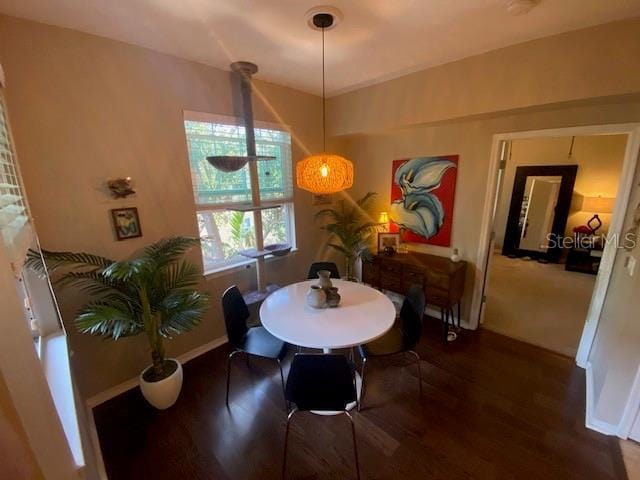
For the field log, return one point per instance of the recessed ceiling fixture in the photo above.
(520, 7)
(324, 173)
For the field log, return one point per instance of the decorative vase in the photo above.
(316, 297)
(163, 393)
(333, 297)
(455, 256)
(324, 279)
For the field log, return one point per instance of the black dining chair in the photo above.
(318, 266)
(402, 338)
(250, 341)
(320, 382)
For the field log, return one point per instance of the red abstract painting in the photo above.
(422, 196)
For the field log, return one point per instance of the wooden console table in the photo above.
(441, 279)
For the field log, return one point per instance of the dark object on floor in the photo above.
(319, 266)
(250, 341)
(401, 338)
(320, 382)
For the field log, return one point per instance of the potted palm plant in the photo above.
(152, 294)
(350, 224)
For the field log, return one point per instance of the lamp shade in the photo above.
(597, 204)
(324, 173)
(383, 218)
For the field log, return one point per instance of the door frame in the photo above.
(625, 185)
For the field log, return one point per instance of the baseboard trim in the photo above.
(127, 385)
(591, 422)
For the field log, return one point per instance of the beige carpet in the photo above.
(540, 304)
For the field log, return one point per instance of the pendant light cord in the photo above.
(324, 115)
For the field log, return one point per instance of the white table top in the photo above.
(363, 315)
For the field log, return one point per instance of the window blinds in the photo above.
(15, 225)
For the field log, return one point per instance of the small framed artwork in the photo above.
(388, 240)
(126, 223)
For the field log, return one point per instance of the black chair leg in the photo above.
(364, 364)
(229, 372)
(445, 325)
(286, 441)
(284, 394)
(459, 317)
(355, 445)
(415, 354)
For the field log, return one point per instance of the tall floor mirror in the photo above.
(540, 203)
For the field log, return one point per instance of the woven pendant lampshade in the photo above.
(324, 173)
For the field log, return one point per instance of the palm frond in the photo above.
(169, 249)
(341, 249)
(110, 319)
(91, 282)
(364, 201)
(56, 260)
(182, 311)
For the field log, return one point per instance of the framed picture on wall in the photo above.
(126, 223)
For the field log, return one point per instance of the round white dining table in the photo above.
(363, 315)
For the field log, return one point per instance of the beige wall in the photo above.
(16, 458)
(84, 109)
(373, 154)
(599, 159)
(574, 66)
(587, 77)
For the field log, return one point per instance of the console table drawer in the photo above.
(441, 279)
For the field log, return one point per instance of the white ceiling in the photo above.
(377, 40)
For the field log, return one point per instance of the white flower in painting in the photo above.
(419, 211)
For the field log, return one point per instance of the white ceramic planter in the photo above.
(164, 393)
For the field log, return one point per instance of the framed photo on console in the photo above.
(386, 240)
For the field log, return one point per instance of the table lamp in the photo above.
(383, 220)
(597, 205)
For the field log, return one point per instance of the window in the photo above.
(17, 235)
(225, 231)
(14, 215)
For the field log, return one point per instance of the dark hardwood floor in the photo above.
(492, 407)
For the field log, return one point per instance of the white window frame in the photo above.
(286, 203)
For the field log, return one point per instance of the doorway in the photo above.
(539, 284)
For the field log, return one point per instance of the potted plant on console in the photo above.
(350, 224)
(152, 293)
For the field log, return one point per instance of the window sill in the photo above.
(55, 359)
(237, 267)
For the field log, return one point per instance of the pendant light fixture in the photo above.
(324, 173)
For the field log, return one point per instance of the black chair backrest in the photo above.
(411, 315)
(317, 266)
(320, 382)
(235, 313)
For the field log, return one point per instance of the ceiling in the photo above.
(376, 41)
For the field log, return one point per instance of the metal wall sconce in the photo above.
(120, 187)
